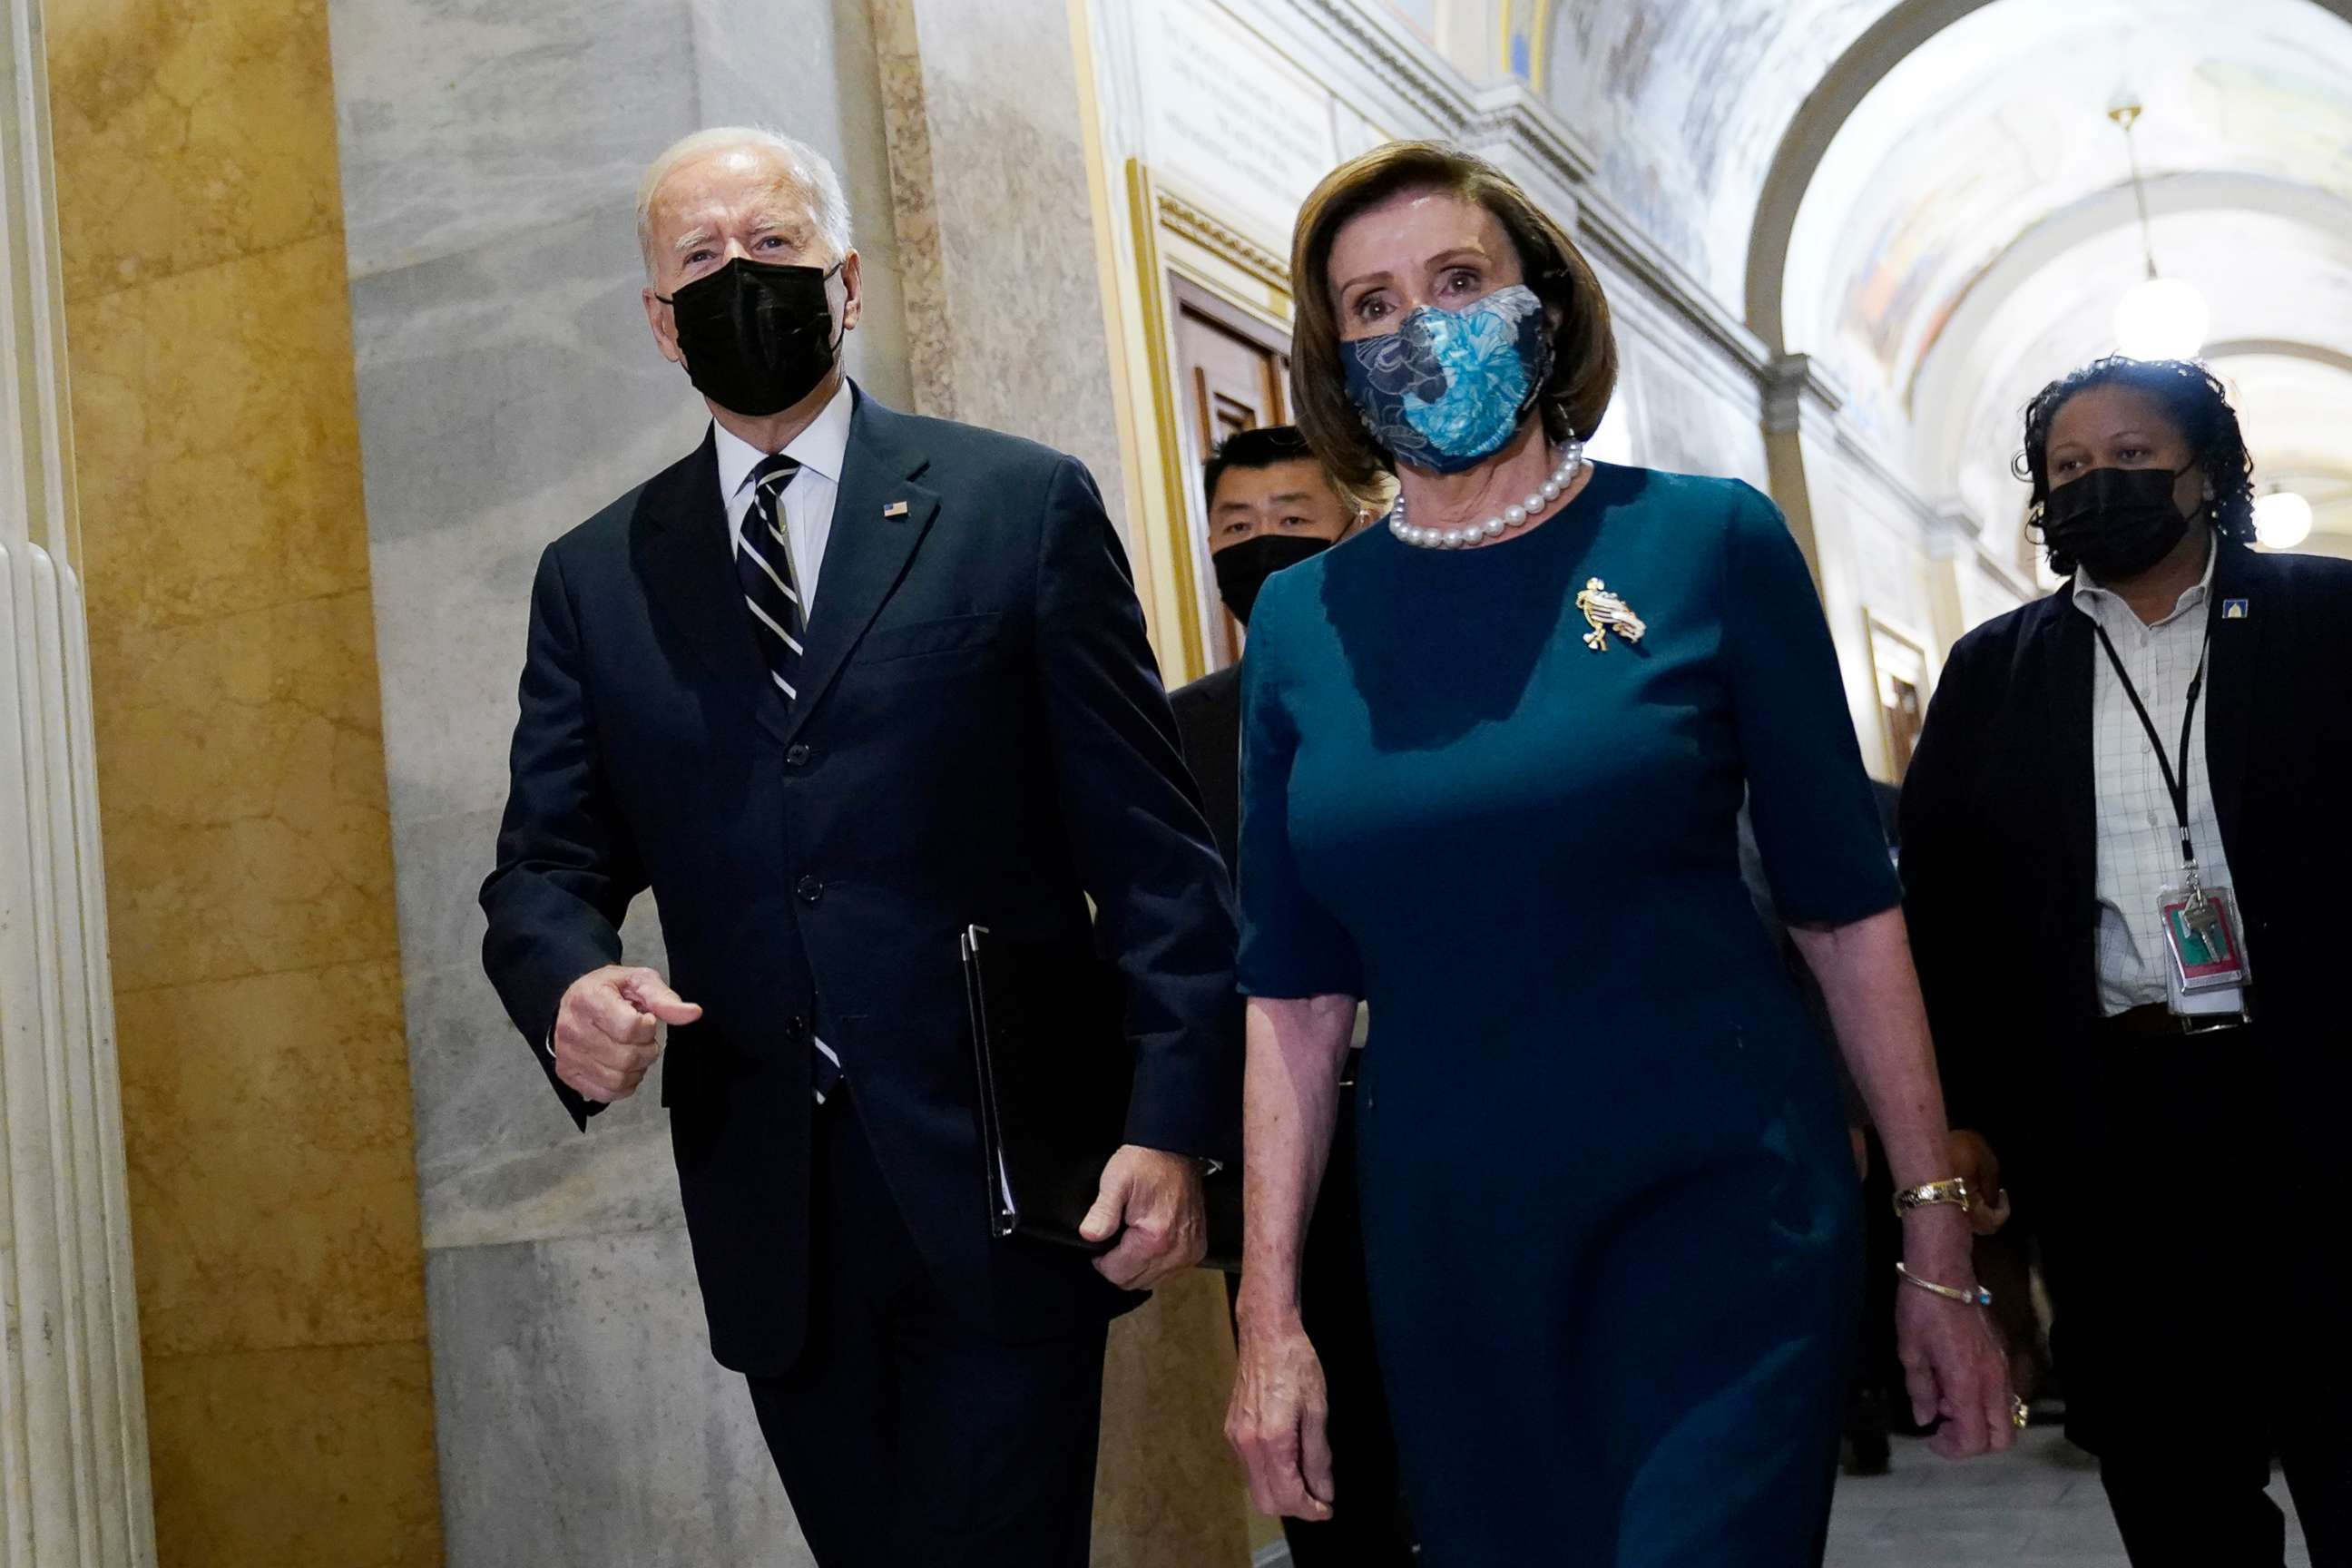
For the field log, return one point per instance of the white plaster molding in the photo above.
(1617, 236)
(1513, 127)
(1955, 531)
(1894, 487)
(1204, 228)
(74, 1489)
(1378, 44)
(1518, 130)
(1797, 386)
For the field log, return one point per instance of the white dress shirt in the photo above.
(808, 500)
(2138, 835)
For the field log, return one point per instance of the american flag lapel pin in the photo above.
(2233, 609)
(896, 508)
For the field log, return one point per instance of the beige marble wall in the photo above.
(988, 175)
(242, 785)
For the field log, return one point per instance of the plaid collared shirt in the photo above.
(2139, 837)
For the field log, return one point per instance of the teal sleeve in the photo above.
(1291, 946)
(1816, 821)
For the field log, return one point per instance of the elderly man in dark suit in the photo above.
(837, 683)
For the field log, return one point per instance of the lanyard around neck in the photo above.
(2176, 780)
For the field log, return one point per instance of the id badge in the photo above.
(2208, 1010)
(2201, 933)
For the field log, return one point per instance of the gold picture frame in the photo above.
(1902, 676)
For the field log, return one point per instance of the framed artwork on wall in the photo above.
(1899, 675)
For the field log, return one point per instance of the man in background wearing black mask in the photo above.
(1271, 506)
(835, 685)
(2178, 1154)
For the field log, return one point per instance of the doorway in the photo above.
(1232, 374)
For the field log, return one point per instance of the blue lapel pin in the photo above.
(2233, 609)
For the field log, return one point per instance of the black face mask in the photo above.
(1243, 569)
(2116, 522)
(757, 337)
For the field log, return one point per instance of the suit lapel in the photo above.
(2233, 691)
(2067, 650)
(880, 516)
(689, 568)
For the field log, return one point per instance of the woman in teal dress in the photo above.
(1494, 752)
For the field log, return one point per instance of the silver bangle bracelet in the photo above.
(1979, 1297)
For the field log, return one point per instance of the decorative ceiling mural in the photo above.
(2001, 122)
(1972, 223)
(1684, 102)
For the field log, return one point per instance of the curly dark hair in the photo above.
(2196, 402)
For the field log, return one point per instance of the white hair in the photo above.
(827, 206)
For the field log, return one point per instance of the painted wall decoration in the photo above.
(2000, 123)
(1685, 102)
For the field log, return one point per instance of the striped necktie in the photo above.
(764, 563)
(773, 593)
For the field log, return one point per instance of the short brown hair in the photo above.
(1584, 356)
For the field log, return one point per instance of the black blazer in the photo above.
(2000, 848)
(980, 736)
(1209, 717)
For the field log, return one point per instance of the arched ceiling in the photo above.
(1685, 102)
(1999, 122)
(1928, 196)
(1966, 236)
(2271, 278)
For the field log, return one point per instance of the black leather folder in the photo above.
(1055, 1071)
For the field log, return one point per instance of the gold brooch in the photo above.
(1604, 611)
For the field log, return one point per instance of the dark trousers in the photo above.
(2203, 1503)
(905, 1440)
(2200, 1315)
(1368, 1527)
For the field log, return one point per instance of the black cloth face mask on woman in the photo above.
(2116, 522)
(758, 337)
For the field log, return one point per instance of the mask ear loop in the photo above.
(842, 336)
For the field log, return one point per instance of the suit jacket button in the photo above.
(796, 755)
(810, 890)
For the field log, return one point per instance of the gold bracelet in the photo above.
(1952, 1190)
(1979, 1297)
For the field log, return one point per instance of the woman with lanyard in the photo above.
(2126, 866)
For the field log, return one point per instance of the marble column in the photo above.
(996, 230)
(73, 1435)
(1809, 476)
(1005, 327)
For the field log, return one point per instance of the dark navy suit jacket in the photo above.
(981, 737)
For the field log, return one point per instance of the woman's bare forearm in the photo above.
(1290, 1101)
(1867, 978)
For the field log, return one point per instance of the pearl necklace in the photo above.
(1571, 459)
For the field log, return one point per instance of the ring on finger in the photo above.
(2021, 1414)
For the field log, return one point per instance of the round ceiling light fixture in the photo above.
(2282, 519)
(2158, 317)
(2162, 317)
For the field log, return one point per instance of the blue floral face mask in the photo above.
(1447, 388)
